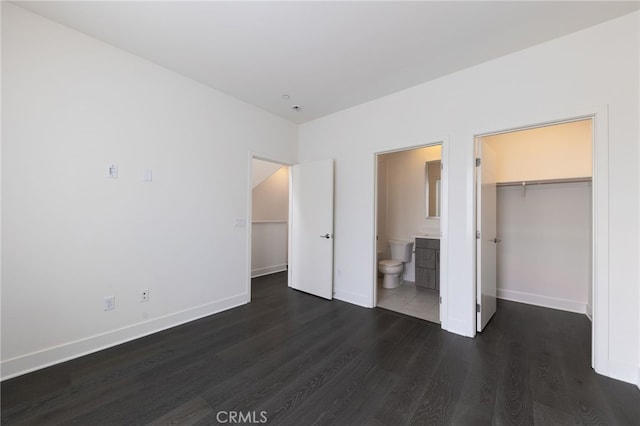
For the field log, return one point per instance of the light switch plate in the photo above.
(109, 303)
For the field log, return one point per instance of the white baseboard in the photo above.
(259, 272)
(544, 301)
(353, 298)
(629, 373)
(460, 327)
(37, 360)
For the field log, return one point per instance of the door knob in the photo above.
(496, 240)
(327, 236)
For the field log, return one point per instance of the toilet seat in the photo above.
(390, 266)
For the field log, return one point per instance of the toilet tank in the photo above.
(401, 250)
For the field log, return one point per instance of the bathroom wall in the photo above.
(269, 227)
(544, 257)
(72, 106)
(381, 206)
(405, 197)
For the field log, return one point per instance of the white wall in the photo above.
(584, 72)
(269, 226)
(544, 257)
(71, 106)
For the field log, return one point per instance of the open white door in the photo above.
(311, 238)
(486, 251)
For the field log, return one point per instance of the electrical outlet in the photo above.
(109, 303)
(144, 295)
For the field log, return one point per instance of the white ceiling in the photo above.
(327, 56)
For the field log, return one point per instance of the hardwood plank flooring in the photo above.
(294, 359)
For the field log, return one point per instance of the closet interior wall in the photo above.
(544, 215)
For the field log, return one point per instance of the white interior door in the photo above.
(487, 240)
(311, 229)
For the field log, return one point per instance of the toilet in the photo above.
(392, 268)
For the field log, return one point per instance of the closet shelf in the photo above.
(544, 181)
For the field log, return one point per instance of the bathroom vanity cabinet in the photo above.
(428, 263)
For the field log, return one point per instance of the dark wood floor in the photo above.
(301, 360)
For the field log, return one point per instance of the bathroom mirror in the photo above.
(432, 188)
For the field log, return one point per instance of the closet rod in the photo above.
(544, 181)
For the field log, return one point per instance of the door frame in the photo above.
(249, 217)
(599, 224)
(444, 222)
(478, 176)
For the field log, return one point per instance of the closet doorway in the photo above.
(543, 210)
(269, 217)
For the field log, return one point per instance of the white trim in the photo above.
(623, 371)
(544, 301)
(353, 298)
(444, 235)
(460, 326)
(36, 360)
(290, 230)
(600, 241)
(249, 216)
(268, 270)
(373, 298)
(471, 297)
(589, 314)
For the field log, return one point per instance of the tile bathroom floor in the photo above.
(410, 300)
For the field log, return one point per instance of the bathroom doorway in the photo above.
(534, 242)
(269, 227)
(410, 204)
